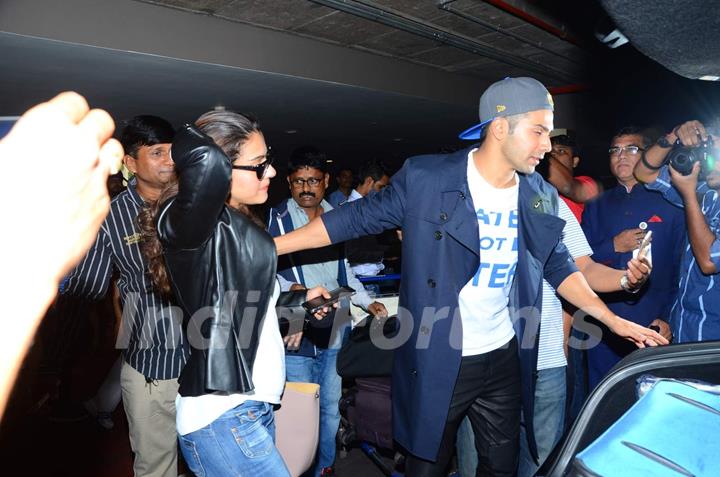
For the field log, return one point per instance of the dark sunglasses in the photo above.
(260, 169)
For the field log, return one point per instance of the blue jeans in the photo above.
(239, 442)
(549, 418)
(467, 455)
(548, 421)
(321, 370)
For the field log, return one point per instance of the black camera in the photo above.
(682, 158)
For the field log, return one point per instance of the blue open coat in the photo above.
(429, 198)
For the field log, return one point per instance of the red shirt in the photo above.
(591, 189)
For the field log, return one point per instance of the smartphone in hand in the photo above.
(644, 245)
(320, 302)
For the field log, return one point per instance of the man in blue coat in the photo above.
(479, 233)
(612, 224)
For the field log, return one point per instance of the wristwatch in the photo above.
(625, 285)
(663, 142)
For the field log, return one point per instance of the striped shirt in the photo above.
(151, 332)
(695, 316)
(551, 352)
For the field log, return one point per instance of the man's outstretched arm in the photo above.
(370, 215)
(312, 235)
(577, 291)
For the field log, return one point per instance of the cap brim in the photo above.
(474, 132)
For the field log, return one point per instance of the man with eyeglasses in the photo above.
(614, 225)
(311, 356)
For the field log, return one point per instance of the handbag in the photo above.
(359, 357)
(297, 426)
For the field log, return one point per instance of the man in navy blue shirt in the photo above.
(695, 315)
(614, 225)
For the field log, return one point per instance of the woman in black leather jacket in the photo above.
(217, 260)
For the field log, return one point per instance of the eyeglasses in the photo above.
(310, 181)
(631, 150)
(260, 169)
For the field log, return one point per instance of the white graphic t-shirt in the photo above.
(484, 299)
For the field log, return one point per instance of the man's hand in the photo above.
(323, 292)
(58, 157)
(292, 342)
(65, 151)
(691, 133)
(628, 240)
(664, 328)
(638, 271)
(686, 185)
(639, 335)
(377, 309)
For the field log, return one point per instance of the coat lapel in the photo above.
(456, 204)
(540, 228)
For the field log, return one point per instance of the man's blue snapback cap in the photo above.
(509, 97)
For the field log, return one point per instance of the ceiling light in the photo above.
(291, 131)
(328, 160)
(219, 107)
(709, 78)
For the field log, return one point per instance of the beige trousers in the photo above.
(150, 410)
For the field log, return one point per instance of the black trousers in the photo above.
(487, 390)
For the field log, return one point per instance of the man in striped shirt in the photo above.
(154, 349)
(695, 315)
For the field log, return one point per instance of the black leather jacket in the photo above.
(222, 267)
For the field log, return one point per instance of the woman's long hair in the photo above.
(229, 130)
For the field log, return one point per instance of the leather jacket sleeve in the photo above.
(204, 173)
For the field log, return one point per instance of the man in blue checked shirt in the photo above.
(695, 315)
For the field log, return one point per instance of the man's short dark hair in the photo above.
(145, 130)
(567, 141)
(374, 169)
(307, 156)
(633, 131)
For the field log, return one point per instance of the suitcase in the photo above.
(370, 412)
(671, 431)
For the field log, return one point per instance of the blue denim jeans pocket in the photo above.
(192, 457)
(251, 430)
(240, 442)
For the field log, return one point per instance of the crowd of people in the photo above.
(518, 294)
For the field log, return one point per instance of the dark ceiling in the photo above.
(462, 36)
(358, 78)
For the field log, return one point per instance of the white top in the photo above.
(484, 299)
(268, 376)
(551, 352)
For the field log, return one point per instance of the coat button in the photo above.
(431, 283)
(413, 372)
(438, 235)
(424, 330)
(443, 216)
(462, 196)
